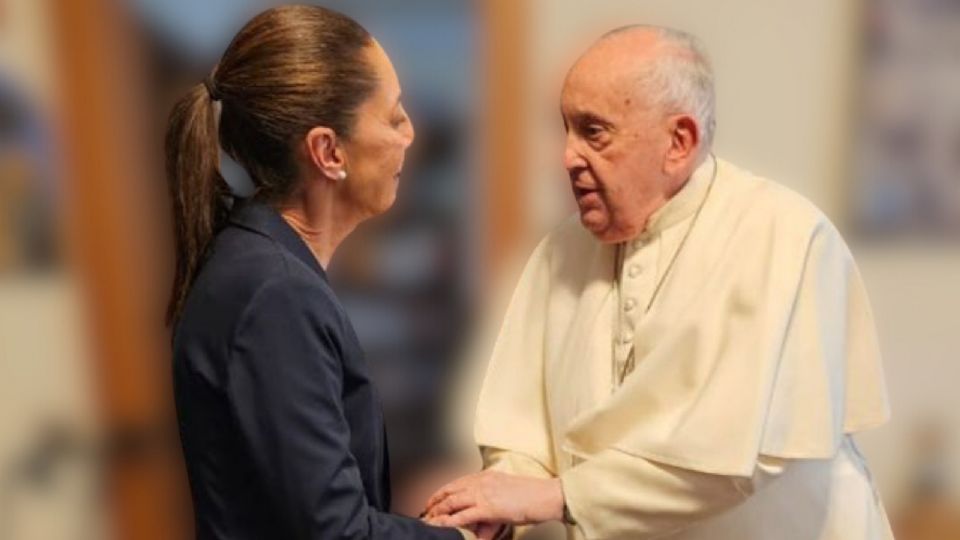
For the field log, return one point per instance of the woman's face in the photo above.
(375, 149)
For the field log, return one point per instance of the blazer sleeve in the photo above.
(284, 383)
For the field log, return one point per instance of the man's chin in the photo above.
(598, 226)
(603, 231)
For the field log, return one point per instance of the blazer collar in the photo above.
(261, 218)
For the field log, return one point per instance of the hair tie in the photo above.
(212, 88)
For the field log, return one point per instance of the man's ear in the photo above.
(685, 140)
(325, 152)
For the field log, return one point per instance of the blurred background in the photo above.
(855, 104)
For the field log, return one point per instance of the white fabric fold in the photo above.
(760, 342)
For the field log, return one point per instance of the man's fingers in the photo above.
(447, 489)
(439, 521)
(470, 516)
(437, 496)
(454, 503)
(435, 508)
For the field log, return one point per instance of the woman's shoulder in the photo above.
(258, 298)
(245, 272)
(293, 292)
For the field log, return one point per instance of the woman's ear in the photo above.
(325, 152)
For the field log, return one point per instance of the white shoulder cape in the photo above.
(761, 341)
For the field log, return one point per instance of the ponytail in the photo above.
(197, 189)
(289, 69)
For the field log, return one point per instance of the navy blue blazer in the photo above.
(281, 428)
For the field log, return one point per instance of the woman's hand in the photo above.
(491, 497)
(489, 531)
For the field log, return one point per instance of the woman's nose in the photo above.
(409, 133)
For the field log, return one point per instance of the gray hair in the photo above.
(680, 80)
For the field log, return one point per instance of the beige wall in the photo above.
(785, 74)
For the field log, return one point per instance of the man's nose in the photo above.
(572, 158)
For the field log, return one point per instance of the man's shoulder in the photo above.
(769, 202)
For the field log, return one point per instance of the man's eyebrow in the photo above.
(588, 117)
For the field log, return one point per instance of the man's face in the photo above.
(616, 144)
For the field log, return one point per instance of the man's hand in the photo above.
(490, 497)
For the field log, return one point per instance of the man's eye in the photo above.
(593, 131)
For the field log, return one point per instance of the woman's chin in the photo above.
(387, 202)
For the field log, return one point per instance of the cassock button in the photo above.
(627, 337)
(635, 270)
(629, 304)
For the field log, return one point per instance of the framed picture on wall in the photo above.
(907, 180)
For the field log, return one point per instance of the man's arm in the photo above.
(509, 462)
(617, 495)
(610, 495)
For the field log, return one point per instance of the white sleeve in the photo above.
(617, 495)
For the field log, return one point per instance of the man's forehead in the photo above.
(612, 65)
(597, 87)
(583, 95)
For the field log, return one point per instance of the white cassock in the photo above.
(702, 381)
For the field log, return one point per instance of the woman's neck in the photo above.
(317, 222)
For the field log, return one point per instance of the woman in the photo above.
(280, 425)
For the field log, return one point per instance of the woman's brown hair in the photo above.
(288, 70)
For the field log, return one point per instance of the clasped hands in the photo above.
(488, 502)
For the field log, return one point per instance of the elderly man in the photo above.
(691, 359)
